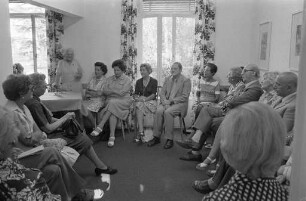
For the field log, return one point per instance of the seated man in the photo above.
(285, 87)
(211, 115)
(174, 97)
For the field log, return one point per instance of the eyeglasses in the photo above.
(246, 70)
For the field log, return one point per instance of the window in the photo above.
(28, 37)
(167, 35)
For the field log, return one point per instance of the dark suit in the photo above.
(178, 92)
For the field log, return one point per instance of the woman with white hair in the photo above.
(252, 142)
(68, 73)
(267, 83)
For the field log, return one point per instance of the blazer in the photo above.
(181, 91)
(286, 109)
(249, 94)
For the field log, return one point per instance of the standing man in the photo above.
(174, 97)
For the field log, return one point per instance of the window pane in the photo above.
(166, 47)
(185, 43)
(22, 43)
(25, 8)
(41, 46)
(149, 43)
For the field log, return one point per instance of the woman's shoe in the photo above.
(96, 132)
(88, 195)
(109, 170)
(205, 163)
(111, 142)
(139, 138)
(202, 187)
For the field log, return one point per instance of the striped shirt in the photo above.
(208, 90)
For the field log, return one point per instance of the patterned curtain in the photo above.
(128, 49)
(55, 32)
(204, 49)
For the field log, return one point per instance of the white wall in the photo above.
(5, 46)
(234, 34)
(96, 37)
(279, 12)
(67, 7)
(237, 32)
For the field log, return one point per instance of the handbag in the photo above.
(71, 128)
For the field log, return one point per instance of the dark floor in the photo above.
(145, 173)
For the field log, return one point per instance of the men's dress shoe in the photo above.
(202, 187)
(109, 170)
(192, 157)
(169, 144)
(153, 142)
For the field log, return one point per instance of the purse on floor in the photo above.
(71, 128)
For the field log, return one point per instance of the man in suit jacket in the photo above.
(285, 87)
(174, 97)
(209, 114)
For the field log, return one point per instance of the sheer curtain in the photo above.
(55, 33)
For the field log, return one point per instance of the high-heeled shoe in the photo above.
(111, 142)
(208, 161)
(96, 132)
(109, 170)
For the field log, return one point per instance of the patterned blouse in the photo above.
(242, 188)
(23, 184)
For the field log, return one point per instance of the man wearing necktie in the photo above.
(174, 97)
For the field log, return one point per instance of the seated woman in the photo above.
(93, 100)
(52, 126)
(16, 180)
(252, 142)
(267, 84)
(58, 174)
(68, 73)
(145, 97)
(209, 88)
(118, 100)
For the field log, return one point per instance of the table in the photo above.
(62, 101)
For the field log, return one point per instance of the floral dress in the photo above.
(23, 184)
(96, 103)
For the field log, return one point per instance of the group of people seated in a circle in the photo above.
(252, 127)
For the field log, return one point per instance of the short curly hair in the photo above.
(102, 66)
(36, 79)
(120, 64)
(16, 86)
(147, 67)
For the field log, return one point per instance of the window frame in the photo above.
(33, 17)
(159, 16)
